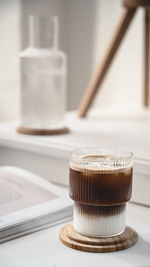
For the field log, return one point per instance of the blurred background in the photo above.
(85, 29)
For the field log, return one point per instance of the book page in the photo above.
(17, 193)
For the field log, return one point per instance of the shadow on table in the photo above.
(139, 254)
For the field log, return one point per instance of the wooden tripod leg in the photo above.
(146, 56)
(103, 67)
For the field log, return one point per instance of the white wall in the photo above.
(9, 49)
(124, 81)
(86, 27)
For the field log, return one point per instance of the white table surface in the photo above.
(44, 248)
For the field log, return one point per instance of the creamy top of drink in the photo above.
(101, 163)
(100, 176)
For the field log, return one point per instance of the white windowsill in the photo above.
(48, 156)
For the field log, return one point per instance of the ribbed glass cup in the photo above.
(100, 185)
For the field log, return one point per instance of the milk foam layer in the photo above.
(101, 167)
(98, 226)
(101, 159)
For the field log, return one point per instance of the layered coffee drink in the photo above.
(100, 185)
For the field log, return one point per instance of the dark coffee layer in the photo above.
(100, 188)
(104, 211)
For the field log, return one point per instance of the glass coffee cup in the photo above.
(100, 185)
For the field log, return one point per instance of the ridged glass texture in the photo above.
(98, 221)
(100, 181)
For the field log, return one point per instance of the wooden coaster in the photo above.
(24, 130)
(72, 239)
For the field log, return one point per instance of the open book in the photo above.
(29, 203)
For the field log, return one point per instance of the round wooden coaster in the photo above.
(72, 239)
(24, 130)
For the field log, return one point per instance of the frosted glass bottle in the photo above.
(43, 83)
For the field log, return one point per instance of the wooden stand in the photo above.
(72, 239)
(24, 130)
(129, 10)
